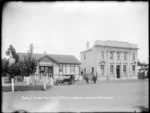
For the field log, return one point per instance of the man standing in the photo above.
(94, 78)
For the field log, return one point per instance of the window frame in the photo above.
(125, 56)
(84, 55)
(102, 54)
(133, 56)
(124, 69)
(111, 55)
(118, 55)
(111, 69)
(133, 70)
(102, 68)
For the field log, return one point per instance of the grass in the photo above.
(24, 88)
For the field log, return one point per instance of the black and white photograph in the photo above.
(75, 56)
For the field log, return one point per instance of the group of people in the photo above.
(91, 76)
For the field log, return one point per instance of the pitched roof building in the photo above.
(54, 64)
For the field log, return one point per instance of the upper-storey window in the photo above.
(84, 56)
(102, 54)
(118, 56)
(133, 56)
(125, 56)
(111, 55)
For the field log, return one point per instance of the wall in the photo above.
(66, 69)
(89, 62)
(93, 59)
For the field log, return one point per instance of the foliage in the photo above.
(14, 70)
(29, 65)
(24, 88)
(5, 65)
(11, 51)
(141, 75)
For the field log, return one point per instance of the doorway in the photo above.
(46, 70)
(118, 71)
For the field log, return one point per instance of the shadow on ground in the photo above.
(143, 109)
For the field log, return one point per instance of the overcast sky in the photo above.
(65, 27)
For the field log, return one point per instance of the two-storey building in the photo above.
(110, 60)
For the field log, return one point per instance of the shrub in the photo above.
(24, 88)
(141, 75)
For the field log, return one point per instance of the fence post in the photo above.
(47, 80)
(12, 82)
(3, 84)
(27, 81)
(51, 80)
(44, 85)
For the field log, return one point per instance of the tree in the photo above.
(5, 65)
(12, 52)
(29, 65)
(14, 70)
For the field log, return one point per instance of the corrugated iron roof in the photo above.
(67, 59)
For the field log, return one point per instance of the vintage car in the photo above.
(69, 79)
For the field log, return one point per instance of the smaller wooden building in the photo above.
(55, 65)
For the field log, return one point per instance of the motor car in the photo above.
(67, 79)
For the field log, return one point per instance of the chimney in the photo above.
(87, 45)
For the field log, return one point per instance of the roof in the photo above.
(67, 59)
(113, 43)
(86, 50)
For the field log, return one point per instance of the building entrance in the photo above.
(46, 70)
(118, 71)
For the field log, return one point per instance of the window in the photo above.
(111, 55)
(118, 56)
(111, 69)
(102, 69)
(133, 69)
(84, 56)
(46, 69)
(72, 69)
(124, 69)
(133, 55)
(102, 54)
(125, 56)
(60, 67)
(42, 68)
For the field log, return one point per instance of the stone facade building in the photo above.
(110, 60)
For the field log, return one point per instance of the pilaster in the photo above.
(122, 63)
(115, 64)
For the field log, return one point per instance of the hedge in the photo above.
(24, 88)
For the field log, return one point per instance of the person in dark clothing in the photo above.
(95, 78)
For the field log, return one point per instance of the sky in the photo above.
(65, 27)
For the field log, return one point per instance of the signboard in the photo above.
(46, 63)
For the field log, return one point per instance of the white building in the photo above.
(110, 60)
